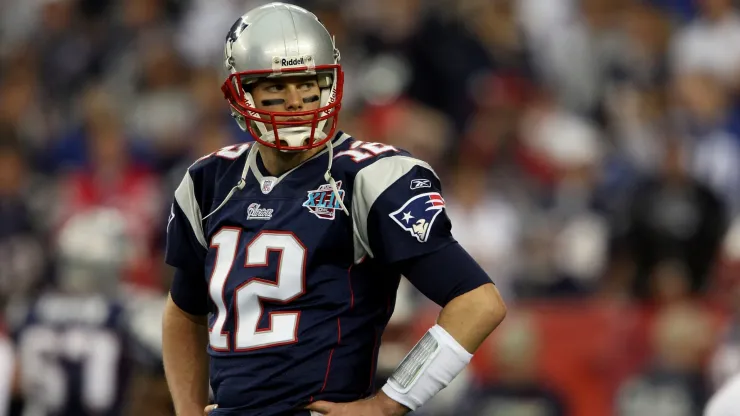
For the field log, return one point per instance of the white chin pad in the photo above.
(294, 136)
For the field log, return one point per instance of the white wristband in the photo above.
(428, 368)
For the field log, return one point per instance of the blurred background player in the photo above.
(515, 388)
(673, 384)
(76, 340)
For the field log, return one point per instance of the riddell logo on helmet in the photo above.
(293, 61)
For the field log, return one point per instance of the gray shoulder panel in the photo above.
(370, 182)
(185, 197)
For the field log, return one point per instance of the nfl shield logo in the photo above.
(268, 184)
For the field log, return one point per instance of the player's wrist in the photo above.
(428, 368)
(389, 406)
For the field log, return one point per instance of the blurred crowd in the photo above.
(589, 151)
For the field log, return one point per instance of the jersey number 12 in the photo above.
(247, 308)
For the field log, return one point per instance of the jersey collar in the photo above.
(257, 167)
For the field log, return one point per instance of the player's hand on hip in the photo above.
(208, 409)
(374, 406)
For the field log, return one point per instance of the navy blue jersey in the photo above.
(300, 291)
(72, 356)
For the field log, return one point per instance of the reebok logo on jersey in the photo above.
(256, 212)
(420, 183)
(323, 203)
(417, 215)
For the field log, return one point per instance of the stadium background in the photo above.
(590, 152)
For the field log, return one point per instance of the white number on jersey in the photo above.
(290, 284)
(229, 152)
(233, 152)
(43, 350)
(360, 151)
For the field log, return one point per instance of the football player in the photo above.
(72, 340)
(288, 251)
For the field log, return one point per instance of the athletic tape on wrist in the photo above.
(428, 368)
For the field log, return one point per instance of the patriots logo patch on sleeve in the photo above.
(417, 215)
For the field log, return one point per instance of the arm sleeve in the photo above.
(398, 211)
(186, 250)
(444, 274)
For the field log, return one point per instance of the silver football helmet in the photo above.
(278, 40)
(93, 249)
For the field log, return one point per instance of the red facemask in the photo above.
(240, 102)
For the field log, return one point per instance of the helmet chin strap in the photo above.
(242, 180)
(252, 155)
(331, 180)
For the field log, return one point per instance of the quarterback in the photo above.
(289, 250)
